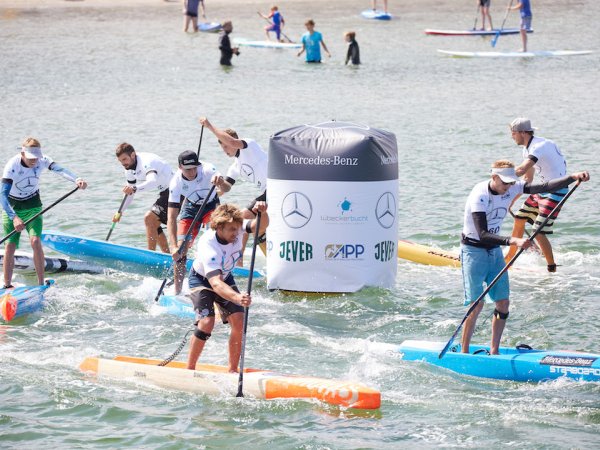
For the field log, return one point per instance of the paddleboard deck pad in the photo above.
(538, 54)
(22, 300)
(516, 364)
(216, 380)
(473, 32)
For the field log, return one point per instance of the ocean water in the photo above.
(83, 77)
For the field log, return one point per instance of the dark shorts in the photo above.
(161, 205)
(204, 299)
(261, 198)
(485, 3)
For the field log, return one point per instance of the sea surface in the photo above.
(83, 77)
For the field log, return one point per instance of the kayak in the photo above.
(178, 305)
(216, 380)
(473, 32)
(538, 54)
(268, 44)
(427, 255)
(18, 301)
(25, 263)
(210, 27)
(376, 14)
(521, 363)
(117, 256)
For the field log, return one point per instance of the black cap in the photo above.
(188, 158)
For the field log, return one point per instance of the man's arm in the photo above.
(221, 135)
(172, 213)
(225, 291)
(525, 167)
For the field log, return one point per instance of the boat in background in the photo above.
(119, 257)
(521, 363)
(216, 380)
(24, 262)
(19, 301)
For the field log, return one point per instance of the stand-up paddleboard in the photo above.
(18, 301)
(521, 363)
(24, 262)
(427, 255)
(376, 14)
(434, 32)
(538, 54)
(178, 305)
(210, 27)
(267, 44)
(216, 380)
(116, 256)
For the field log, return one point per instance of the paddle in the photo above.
(510, 263)
(40, 213)
(200, 143)
(280, 31)
(119, 214)
(495, 40)
(186, 238)
(476, 17)
(240, 392)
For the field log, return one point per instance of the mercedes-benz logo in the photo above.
(248, 172)
(296, 210)
(26, 184)
(385, 211)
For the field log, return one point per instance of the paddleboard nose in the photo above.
(8, 307)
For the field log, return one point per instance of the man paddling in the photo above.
(250, 164)
(212, 282)
(544, 157)
(144, 172)
(20, 199)
(189, 185)
(481, 257)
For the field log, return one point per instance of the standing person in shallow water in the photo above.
(484, 6)
(353, 54)
(524, 7)
(144, 172)
(311, 43)
(21, 201)
(480, 254)
(190, 14)
(227, 51)
(212, 282)
(277, 24)
(385, 5)
(544, 157)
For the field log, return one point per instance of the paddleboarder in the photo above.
(311, 43)
(277, 23)
(524, 7)
(145, 172)
(189, 187)
(190, 14)
(484, 7)
(212, 282)
(21, 201)
(250, 164)
(481, 257)
(541, 156)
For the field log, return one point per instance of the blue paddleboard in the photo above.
(376, 14)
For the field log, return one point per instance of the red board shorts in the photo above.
(538, 207)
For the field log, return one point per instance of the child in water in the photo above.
(353, 54)
(277, 24)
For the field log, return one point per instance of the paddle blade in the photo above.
(495, 40)
(8, 307)
(446, 347)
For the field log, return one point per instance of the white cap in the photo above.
(32, 152)
(506, 174)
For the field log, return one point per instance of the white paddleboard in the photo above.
(210, 27)
(376, 14)
(267, 44)
(473, 32)
(537, 54)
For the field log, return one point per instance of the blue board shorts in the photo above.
(479, 267)
(526, 23)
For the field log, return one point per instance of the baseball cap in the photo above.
(506, 174)
(521, 124)
(32, 152)
(188, 159)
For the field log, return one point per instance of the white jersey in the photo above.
(250, 165)
(213, 257)
(194, 190)
(147, 164)
(550, 162)
(25, 180)
(495, 207)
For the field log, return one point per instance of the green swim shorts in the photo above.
(34, 228)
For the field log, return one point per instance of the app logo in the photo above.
(385, 211)
(344, 251)
(296, 210)
(345, 206)
(295, 251)
(385, 251)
